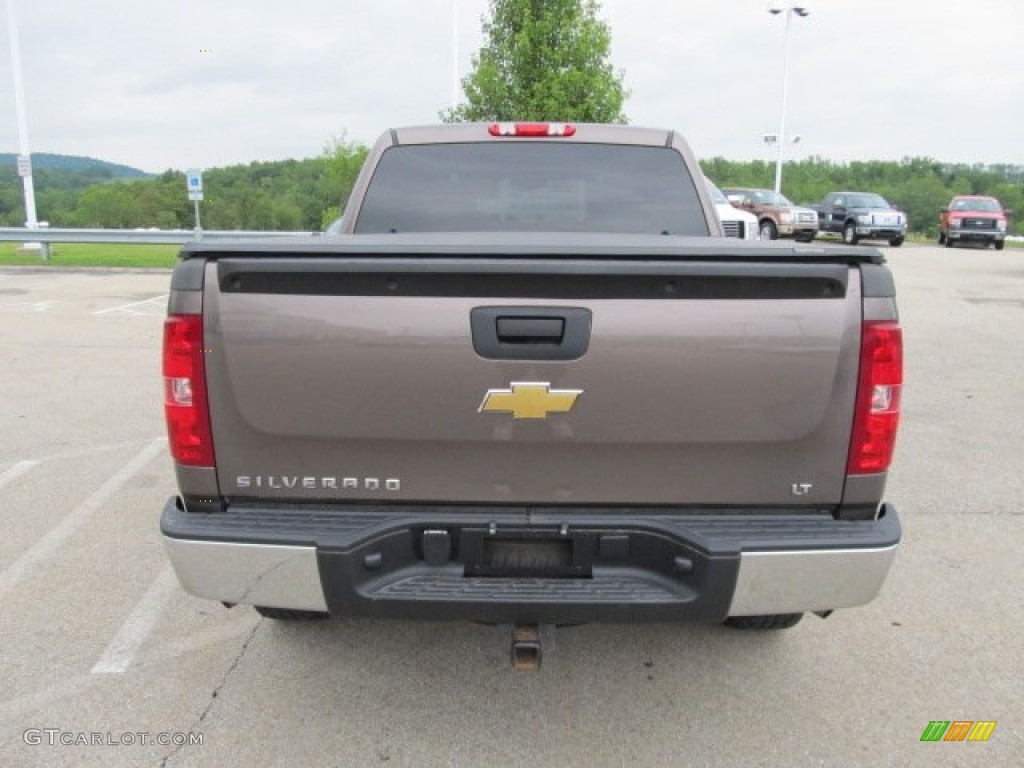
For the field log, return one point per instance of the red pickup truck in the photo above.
(973, 218)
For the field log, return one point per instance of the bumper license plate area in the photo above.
(522, 556)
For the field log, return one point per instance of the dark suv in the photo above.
(861, 215)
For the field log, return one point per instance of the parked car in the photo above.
(861, 215)
(777, 216)
(973, 218)
(735, 222)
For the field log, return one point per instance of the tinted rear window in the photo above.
(532, 187)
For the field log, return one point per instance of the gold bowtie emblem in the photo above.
(529, 400)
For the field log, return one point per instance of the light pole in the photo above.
(801, 11)
(24, 158)
(456, 86)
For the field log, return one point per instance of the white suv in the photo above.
(735, 222)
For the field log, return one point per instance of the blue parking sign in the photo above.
(194, 183)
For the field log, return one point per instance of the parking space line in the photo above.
(16, 471)
(28, 306)
(128, 309)
(46, 546)
(119, 655)
(216, 639)
(92, 450)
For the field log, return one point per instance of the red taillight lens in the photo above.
(531, 129)
(877, 413)
(185, 404)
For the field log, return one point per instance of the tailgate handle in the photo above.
(530, 333)
(531, 330)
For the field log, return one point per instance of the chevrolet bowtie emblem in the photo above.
(529, 400)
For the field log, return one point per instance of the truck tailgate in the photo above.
(700, 383)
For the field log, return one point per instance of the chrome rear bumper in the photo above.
(639, 568)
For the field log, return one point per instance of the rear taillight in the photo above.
(531, 129)
(185, 403)
(877, 413)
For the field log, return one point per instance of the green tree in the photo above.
(342, 160)
(543, 60)
(114, 205)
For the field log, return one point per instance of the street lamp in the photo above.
(24, 158)
(801, 11)
(456, 86)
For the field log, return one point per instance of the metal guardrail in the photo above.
(132, 236)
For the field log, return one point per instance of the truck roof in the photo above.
(596, 133)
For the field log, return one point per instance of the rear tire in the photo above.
(770, 621)
(896, 242)
(999, 245)
(850, 234)
(768, 230)
(805, 238)
(942, 238)
(949, 242)
(289, 614)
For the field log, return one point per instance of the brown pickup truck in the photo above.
(776, 215)
(531, 383)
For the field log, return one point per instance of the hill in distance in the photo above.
(48, 161)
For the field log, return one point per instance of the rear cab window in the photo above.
(532, 186)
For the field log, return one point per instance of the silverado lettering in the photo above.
(313, 483)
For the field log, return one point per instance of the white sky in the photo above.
(131, 81)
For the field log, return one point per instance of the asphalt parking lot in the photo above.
(100, 644)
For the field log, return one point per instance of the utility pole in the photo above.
(456, 88)
(789, 11)
(24, 156)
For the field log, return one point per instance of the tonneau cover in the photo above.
(536, 246)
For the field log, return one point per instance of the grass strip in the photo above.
(91, 255)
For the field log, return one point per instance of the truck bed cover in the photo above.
(537, 246)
